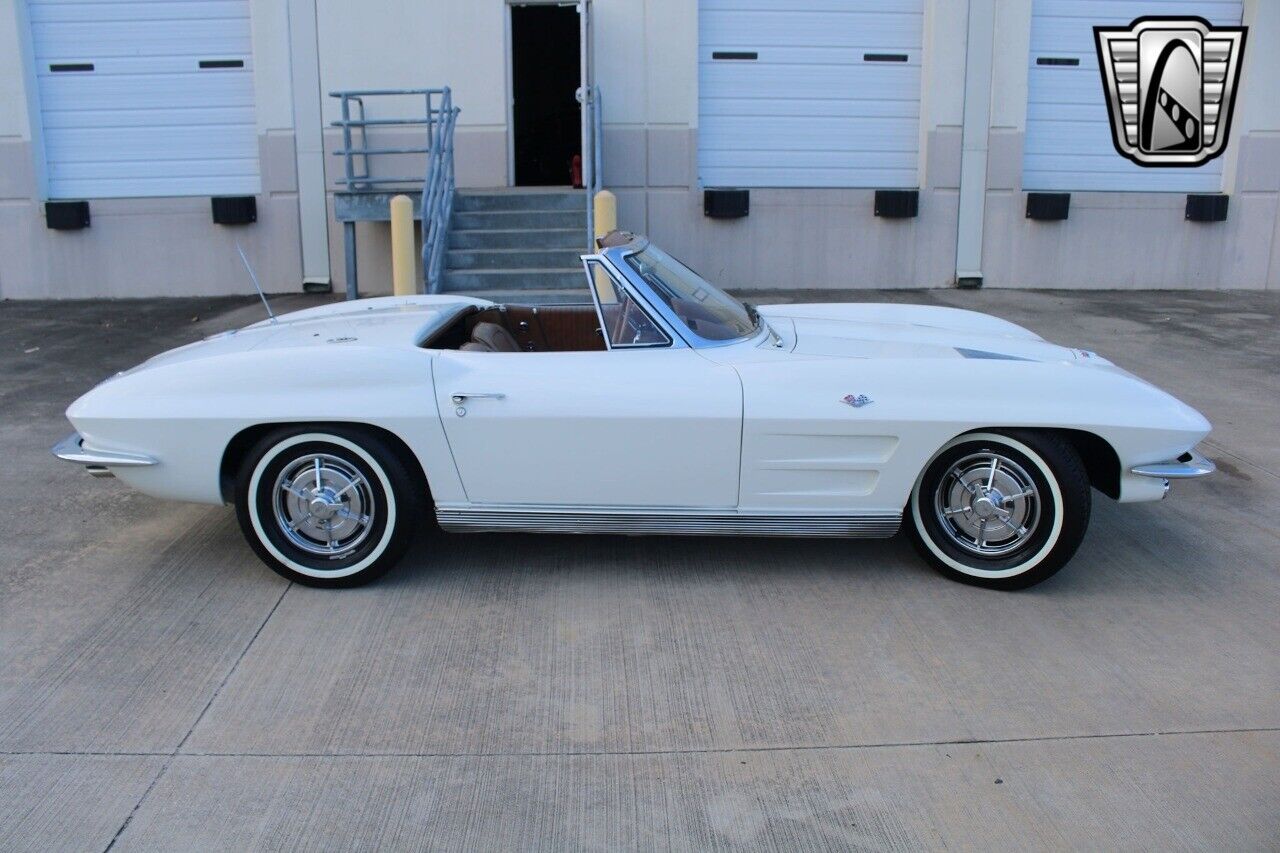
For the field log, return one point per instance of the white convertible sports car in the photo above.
(663, 407)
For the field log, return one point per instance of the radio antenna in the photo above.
(254, 278)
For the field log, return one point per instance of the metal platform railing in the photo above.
(361, 186)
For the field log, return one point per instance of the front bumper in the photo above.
(1187, 466)
(97, 462)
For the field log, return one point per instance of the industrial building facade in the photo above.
(953, 115)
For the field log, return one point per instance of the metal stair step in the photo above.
(518, 258)
(513, 238)
(468, 201)
(480, 280)
(506, 219)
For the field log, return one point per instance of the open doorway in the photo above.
(545, 75)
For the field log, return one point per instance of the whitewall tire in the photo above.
(1000, 509)
(327, 506)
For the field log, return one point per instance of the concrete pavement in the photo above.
(161, 689)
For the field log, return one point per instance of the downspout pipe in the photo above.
(979, 61)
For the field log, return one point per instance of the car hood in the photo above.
(912, 331)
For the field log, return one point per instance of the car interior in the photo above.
(522, 328)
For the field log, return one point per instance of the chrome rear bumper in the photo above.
(1185, 467)
(97, 462)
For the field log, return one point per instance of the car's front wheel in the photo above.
(1003, 510)
(328, 507)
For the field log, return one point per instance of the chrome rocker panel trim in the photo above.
(639, 521)
(72, 449)
(1187, 466)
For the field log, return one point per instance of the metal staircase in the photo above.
(522, 239)
(523, 242)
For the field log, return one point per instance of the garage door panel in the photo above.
(146, 119)
(823, 101)
(755, 159)
(1039, 112)
(62, 92)
(1070, 138)
(135, 187)
(124, 38)
(825, 177)
(832, 134)
(785, 26)
(189, 117)
(1068, 144)
(809, 107)
(1108, 12)
(784, 81)
(811, 6)
(120, 65)
(145, 143)
(826, 56)
(190, 10)
(1075, 86)
(155, 169)
(1088, 180)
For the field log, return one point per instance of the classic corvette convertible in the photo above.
(662, 407)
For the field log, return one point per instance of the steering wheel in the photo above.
(627, 320)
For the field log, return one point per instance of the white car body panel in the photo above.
(750, 436)
(637, 428)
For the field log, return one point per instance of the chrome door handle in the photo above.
(458, 397)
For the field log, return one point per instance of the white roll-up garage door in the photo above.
(145, 98)
(1068, 143)
(809, 93)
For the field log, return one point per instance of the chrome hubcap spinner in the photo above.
(323, 505)
(988, 504)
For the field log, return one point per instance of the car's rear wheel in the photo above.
(327, 507)
(1003, 510)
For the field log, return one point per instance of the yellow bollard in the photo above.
(606, 219)
(402, 261)
(606, 213)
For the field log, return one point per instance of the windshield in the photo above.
(708, 311)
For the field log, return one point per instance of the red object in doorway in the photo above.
(575, 172)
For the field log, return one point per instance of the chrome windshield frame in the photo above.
(616, 258)
(642, 297)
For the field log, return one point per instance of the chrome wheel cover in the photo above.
(323, 505)
(987, 504)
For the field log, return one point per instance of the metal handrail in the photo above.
(355, 151)
(437, 195)
(436, 182)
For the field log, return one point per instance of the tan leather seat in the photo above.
(494, 337)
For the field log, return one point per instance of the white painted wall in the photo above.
(459, 43)
(13, 97)
(273, 91)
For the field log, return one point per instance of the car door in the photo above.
(653, 424)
